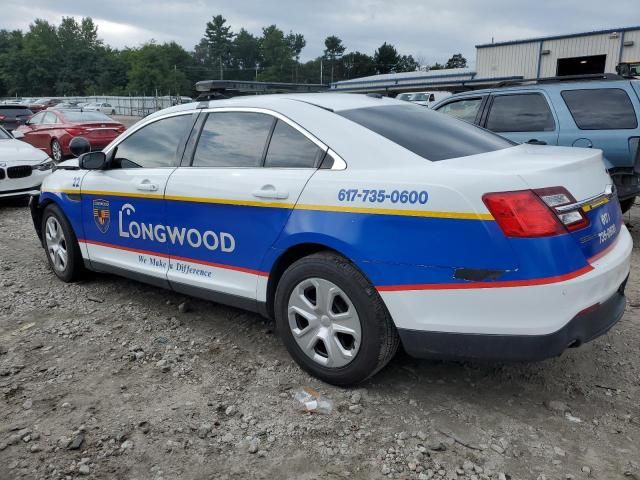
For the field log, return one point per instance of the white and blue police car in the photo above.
(357, 223)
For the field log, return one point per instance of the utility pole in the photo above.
(221, 74)
(320, 70)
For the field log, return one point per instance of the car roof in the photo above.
(335, 102)
(560, 85)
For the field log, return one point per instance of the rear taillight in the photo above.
(522, 214)
(535, 213)
(557, 197)
(76, 131)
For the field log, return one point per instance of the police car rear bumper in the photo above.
(520, 322)
(583, 328)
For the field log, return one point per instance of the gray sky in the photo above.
(430, 30)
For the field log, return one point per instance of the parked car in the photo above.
(426, 99)
(12, 116)
(22, 167)
(599, 113)
(66, 106)
(43, 103)
(358, 223)
(105, 108)
(52, 130)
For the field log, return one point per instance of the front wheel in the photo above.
(61, 245)
(332, 320)
(56, 150)
(626, 205)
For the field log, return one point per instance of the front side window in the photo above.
(466, 109)
(289, 148)
(520, 113)
(601, 109)
(233, 139)
(425, 132)
(154, 145)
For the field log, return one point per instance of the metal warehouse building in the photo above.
(574, 54)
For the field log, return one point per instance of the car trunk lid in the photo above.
(580, 171)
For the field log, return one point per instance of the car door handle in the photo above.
(535, 141)
(269, 191)
(147, 186)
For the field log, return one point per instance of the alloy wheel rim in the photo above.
(57, 152)
(56, 244)
(324, 322)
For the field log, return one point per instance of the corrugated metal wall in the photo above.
(632, 53)
(579, 47)
(507, 60)
(522, 58)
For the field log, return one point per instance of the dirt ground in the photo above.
(113, 379)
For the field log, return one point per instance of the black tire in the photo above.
(74, 266)
(56, 151)
(626, 205)
(379, 338)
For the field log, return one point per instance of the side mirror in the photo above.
(92, 161)
(18, 135)
(79, 145)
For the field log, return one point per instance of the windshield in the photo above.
(430, 134)
(86, 117)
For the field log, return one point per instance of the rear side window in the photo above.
(233, 139)
(15, 111)
(520, 113)
(600, 109)
(466, 110)
(289, 148)
(425, 132)
(50, 118)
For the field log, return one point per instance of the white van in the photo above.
(423, 98)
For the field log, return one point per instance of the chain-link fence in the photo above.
(123, 105)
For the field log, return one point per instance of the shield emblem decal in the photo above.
(101, 214)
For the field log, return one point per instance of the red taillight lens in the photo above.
(555, 197)
(522, 214)
(76, 131)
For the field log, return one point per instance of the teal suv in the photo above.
(600, 111)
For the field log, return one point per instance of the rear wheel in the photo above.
(61, 245)
(626, 205)
(332, 320)
(56, 150)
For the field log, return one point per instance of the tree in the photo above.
(219, 38)
(456, 61)
(296, 44)
(386, 58)
(437, 66)
(246, 50)
(406, 63)
(356, 64)
(333, 49)
(276, 53)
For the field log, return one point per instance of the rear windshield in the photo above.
(86, 117)
(431, 135)
(14, 110)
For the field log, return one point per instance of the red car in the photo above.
(52, 130)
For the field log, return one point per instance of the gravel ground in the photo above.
(113, 379)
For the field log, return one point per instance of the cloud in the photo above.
(431, 30)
